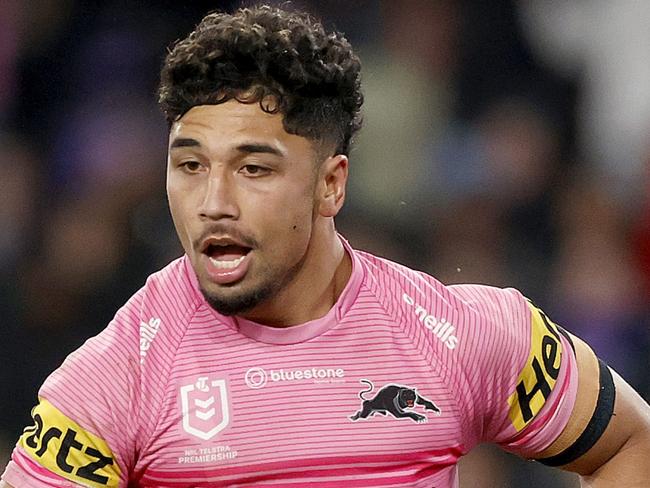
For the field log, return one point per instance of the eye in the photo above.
(254, 170)
(190, 166)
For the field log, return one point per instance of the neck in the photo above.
(315, 288)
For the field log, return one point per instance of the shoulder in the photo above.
(417, 287)
(162, 309)
(480, 322)
(169, 295)
(503, 307)
(386, 277)
(156, 309)
(497, 324)
(173, 286)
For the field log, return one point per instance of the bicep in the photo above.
(596, 429)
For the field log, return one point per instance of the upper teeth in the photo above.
(226, 264)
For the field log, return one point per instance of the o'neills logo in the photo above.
(440, 328)
(258, 377)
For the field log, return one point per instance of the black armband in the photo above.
(597, 424)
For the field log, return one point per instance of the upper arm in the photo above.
(5, 485)
(630, 418)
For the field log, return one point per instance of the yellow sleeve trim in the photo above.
(63, 447)
(537, 379)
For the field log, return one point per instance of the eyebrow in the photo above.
(248, 148)
(184, 142)
(259, 148)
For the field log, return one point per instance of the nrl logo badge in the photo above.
(205, 407)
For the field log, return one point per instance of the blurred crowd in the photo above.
(504, 143)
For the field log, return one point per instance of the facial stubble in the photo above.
(248, 300)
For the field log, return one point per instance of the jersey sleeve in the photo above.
(525, 382)
(86, 420)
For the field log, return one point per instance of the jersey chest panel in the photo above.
(251, 412)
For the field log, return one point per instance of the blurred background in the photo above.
(505, 142)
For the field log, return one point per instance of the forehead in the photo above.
(226, 125)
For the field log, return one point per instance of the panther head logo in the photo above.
(393, 399)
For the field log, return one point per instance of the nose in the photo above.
(219, 199)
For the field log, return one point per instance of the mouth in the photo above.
(226, 256)
(225, 260)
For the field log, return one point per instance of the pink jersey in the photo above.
(401, 378)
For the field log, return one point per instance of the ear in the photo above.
(333, 176)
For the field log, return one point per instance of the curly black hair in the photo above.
(283, 60)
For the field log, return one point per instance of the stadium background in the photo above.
(505, 143)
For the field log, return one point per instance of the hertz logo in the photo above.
(537, 379)
(65, 448)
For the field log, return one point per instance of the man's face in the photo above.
(242, 196)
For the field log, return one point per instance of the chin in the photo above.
(236, 303)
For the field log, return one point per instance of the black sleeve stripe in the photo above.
(597, 424)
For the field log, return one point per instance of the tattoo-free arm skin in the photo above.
(621, 457)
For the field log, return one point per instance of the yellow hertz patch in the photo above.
(63, 447)
(537, 379)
